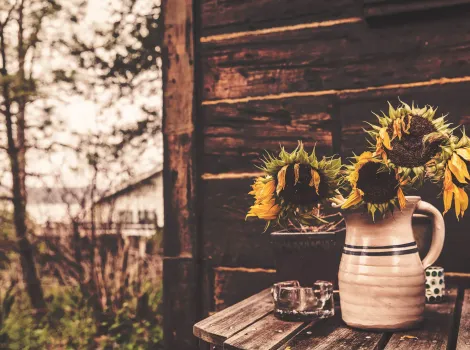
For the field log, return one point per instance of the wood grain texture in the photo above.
(179, 305)
(374, 8)
(345, 56)
(266, 334)
(234, 15)
(228, 239)
(435, 331)
(463, 340)
(333, 334)
(178, 127)
(233, 284)
(181, 290)
(237, 135)
(218, 328)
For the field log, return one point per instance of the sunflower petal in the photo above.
(457, 201)
(315, 180)
(458, 168)
(267, 210)
(448, 195)
(385, 137)
(464, 153)
(401, 198)
(463, 201)
(354, 198)
(448, 184)
(397, 124)
(281, 179)
(296, 173)
(407, 128)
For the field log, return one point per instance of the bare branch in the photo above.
(8, 17)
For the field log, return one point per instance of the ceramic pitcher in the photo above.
(381, 276)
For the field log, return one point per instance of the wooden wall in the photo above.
(271, 71)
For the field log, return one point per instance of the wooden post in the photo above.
(181, 292)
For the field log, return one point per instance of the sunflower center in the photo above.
(409, 152)
(301, 193)
(378, 187)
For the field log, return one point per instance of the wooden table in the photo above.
(252, 325)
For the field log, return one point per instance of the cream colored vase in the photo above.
(381, 277)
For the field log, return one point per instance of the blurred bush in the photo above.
(98, 296)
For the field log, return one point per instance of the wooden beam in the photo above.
(374, 8)
(180, 271)
(281, 96)
(178, 126)
(230, 36)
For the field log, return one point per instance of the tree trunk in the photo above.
(28, 266)
(31, 280)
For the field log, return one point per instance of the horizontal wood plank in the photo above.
(233, 284)
(266, 334)
(333, 334)
(463, 340)
(345, 56)
(234, 15)
(237, 135)
(434, 333)
(222, 325)
(229, 239)
(374, 8)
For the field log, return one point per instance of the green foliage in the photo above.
(137, 324)
(71, 322)
(7, 230)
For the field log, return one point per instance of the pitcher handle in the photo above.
(438, 232)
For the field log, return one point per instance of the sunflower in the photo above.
(265, 206)
(375, 184)
(408, 138)
(451, 169)
(295, 185)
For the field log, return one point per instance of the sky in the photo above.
(83, 116)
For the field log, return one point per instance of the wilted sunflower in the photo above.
(451, 169)
(375, 184)
(294, 186)
(408, 138)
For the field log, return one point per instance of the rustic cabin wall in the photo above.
(271, 71)
(279, 71)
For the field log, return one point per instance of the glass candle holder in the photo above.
(296, 303)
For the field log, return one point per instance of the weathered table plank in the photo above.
(333, 334)
(435, 331)
(217, 328)
(266, 334)
(463, 341)
(251, 325)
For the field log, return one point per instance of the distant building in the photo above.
(53, 206)
(134, 208)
